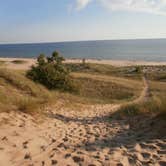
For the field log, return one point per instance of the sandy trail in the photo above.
(87, 137)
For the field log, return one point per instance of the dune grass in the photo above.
(132, 72)
(17, 92)
(154, 105)
(20, 93)
(103, 91)
(18, 61)
(2, 62)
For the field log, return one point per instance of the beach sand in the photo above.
(32, 61)
(70, 137)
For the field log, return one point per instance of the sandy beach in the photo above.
(120, 63)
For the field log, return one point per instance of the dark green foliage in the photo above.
(138, 69)
(51, 72)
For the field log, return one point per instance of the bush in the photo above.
(51, 72)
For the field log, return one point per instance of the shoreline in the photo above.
(117, 63)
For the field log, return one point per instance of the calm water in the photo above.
(149, 50)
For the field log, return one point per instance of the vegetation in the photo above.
(152, 106)
(133, 72)
(2, 62)
(51, 72)
(94, 83)
(17, 61)
(102, 91)
(19, 93)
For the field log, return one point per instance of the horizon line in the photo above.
(72, 41)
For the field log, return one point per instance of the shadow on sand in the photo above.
(141, 129)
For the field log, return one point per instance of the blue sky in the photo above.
(72, 20)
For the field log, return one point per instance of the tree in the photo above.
(51, 72)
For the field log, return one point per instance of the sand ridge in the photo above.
(86, 137)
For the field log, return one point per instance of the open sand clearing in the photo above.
(88, 137)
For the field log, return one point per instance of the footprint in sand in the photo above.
(25, 144)
(54, 162)
(27, 156)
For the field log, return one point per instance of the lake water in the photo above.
(144, 49)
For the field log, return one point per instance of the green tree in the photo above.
(51, 72)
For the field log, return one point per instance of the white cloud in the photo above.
(149, 6)
(82, 4)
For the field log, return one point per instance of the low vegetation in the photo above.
(51, 81)
(154, 104)
(2, 62)
(19, 93)
(51, 72)
(102, 91)
(17, 61)
(133, 72)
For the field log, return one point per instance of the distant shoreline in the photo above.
(8, 62)
(151, 50)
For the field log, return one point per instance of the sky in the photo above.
(31, 21)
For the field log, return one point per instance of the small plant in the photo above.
(51, 72)
(83, 61)
(138, 69)
(2, 62)
(19, 61)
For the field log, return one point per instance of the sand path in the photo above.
(87, 137)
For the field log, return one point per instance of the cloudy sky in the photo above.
(72, 20)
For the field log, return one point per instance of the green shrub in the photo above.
(51, 72)
(138, 69)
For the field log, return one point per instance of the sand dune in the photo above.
(88, 137)
(68, 137)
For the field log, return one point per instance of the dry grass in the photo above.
(130, 72)
(158, 89)
(102, 91)
(18, 61)
(2, 62)
(154, 105)
(19, 93)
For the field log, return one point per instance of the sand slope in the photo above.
(84, 137)
(87, 137)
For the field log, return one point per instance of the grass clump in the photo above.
(17, 61)
(20, 82)
(51, 72)
(153, 106)
(19, 93)
(2, 62)
(27, 105)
